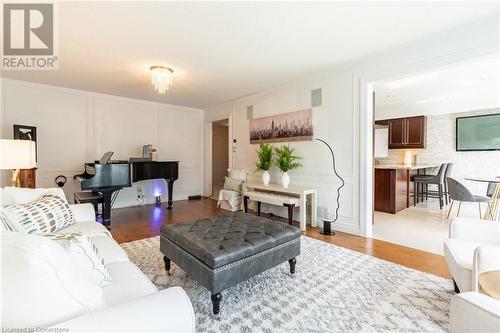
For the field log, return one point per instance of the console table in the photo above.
(304, 195)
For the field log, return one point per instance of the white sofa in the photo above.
(130, 304)
(473, 312)
(466, 236)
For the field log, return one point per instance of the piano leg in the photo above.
(170, 185)
(106, 208)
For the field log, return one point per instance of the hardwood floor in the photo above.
(134, 223)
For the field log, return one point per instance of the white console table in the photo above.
(302, 193)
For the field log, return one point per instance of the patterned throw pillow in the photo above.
(44, 216)
(85, 255)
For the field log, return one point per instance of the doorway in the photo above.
(220, 155)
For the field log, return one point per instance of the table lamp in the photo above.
(15, 155)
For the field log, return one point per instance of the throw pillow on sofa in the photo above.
(44, 216)
(41, 286)
(85, 255)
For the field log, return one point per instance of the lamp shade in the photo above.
(17, 154)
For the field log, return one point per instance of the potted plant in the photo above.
(286, 161)
(265, 155)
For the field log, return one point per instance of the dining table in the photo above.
(493, 210)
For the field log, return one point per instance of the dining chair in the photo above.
(491, 188)
(459, 192)
(425, 180)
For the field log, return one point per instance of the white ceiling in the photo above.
(221, 51)
(465, 87)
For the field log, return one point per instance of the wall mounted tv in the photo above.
(478, 133)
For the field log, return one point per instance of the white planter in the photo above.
(285, 179)
(266, 177)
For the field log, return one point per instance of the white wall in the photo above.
(75, 126)
(340, 121)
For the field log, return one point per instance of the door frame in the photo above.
(366, 82)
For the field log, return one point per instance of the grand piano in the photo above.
(107, 178)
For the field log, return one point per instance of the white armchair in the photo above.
(467, 235)
(232, 200)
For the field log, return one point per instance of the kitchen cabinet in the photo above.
(407, 133)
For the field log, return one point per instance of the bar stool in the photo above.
(446, 176)
(439, 180)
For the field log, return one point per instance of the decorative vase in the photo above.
(285, 179)
(266, 177)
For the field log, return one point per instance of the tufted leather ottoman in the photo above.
(224, 250)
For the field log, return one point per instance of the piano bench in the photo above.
(94, 198)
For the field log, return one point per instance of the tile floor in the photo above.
(423, 227)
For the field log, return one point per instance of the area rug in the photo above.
(333, 290)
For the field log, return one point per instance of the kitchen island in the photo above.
(394, 186)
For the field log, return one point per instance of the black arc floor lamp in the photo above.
(327, 224)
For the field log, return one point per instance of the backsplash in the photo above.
(441, 149)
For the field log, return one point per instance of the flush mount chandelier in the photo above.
(161, 78)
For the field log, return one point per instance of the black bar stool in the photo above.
(424, 181)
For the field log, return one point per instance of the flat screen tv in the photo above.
(477, 133)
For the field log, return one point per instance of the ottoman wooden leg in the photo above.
(216, 302)
(258, 208)
(167, 264)
(292, 263)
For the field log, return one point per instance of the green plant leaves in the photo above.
(285, 159)
(265, 156)
(282, 157)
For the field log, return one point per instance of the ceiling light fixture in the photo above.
(161, 78)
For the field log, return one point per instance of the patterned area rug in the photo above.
(333, 290)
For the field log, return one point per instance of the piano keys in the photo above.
(108, 178)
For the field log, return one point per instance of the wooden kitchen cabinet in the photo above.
(407, 133)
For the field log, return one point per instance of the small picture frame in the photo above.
(24, 132)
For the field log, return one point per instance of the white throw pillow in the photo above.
(44, 216)
(85, 255)
(40, 284)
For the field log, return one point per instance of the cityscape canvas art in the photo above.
(292, 126)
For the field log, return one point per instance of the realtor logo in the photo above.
(29, 36)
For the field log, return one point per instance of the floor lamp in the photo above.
(16, 155)
(327, 224)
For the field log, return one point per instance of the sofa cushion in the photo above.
(20, 196)
(40, 284)
(87, 228)
(128, 283)
(109, 249)
(43, 216)
(85, 254)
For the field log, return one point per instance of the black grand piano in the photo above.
(106, 177)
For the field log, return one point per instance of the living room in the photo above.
(146, 81)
